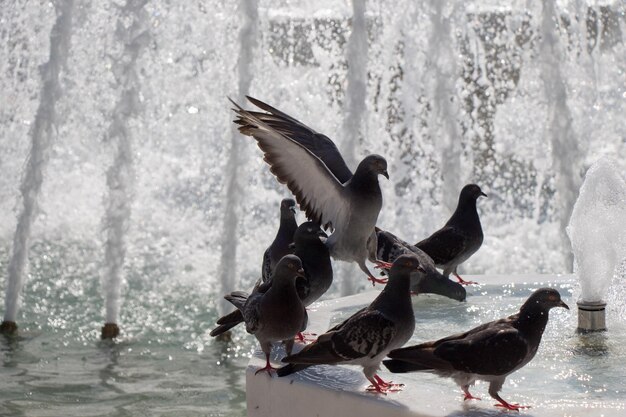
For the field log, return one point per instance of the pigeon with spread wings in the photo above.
(351, 208)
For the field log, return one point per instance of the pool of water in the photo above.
(164, 363)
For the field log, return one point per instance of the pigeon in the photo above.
(284, 238)
(351, 208)
(309, 246)
(367, 336)
(459, 238)
(280, 247)
(318, 272)
(274, 313)
(428, 281)
(489, 352)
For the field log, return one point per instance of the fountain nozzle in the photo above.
(591, 316)
(8, 327)
(110, 331)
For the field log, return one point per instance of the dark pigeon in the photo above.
(459, 238)
(426, 281)
(281, 246)
(309, 246)
(351, 208)
(489, 352)
(284, 238)
(274, 313)
(367, 336)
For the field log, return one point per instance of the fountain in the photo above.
(596, 231)
(136, 189)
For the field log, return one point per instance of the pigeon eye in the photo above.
(290, 265)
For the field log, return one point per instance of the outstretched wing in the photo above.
(365, 334)
(316, 189)
(320, 145)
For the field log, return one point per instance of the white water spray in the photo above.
(41, 139)
(355, 107)
(444, 121)
(237, 154)
(566, 158)
(120, 177)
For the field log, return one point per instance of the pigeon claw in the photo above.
(469, 396)
(383, 265)
(463, 282)
(381, 387)
(377, 280)
(512, 407)
(305, 338)
(268, 368)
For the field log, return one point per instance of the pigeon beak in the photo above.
(293, 209)
(300, 272)
(562, 304)
(291, 245)
(385, 174)
(483, 194)
(323, 239)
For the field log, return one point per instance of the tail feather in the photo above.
(398, 366)
(223, 328)
(235, 316)
(290, 369)
(237, 298)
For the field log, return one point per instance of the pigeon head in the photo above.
(471, 192)
(405, 264)
(544, 299)
(309, 232)
(288, 268)
(288, 208)
(374, 164)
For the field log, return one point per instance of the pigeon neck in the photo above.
(397, 289)
(364, 180)
(532, 321)
(287, 227)
(466, 211)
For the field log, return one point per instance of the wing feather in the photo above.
(318, 192)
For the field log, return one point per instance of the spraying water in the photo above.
(441, 76)
(563, 138)
(41, 137)
(355, 107)
(237, 153)
(120, 176)
(508, 105)
(596, 228)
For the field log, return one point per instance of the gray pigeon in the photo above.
(351, 208)
(367, 336)
(489, 352)
(284, 238)
(459, 238)
(427, 281)
(274, 313)
(309, 246)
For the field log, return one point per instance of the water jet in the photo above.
(596, 231)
